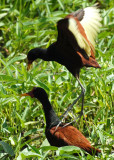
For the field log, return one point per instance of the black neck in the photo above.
(48, 54)
(51, 117)
(42, 54)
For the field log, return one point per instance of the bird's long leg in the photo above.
(70, 107)
(83, 92)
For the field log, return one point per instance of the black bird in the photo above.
(63, 135)
(75, 45)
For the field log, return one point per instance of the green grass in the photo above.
(28, 24)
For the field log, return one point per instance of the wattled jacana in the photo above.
(75, 45)
(63, 136)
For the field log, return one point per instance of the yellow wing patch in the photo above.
(82, 42)
(91, 23)
(86, 30)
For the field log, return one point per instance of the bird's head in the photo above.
(38, 93)
(33, 54)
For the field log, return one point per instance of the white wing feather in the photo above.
(73, 27)
(91, 24)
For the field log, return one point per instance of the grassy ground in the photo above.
(28, 24)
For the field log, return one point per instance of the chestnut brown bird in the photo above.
(75, 45)
(64, 135)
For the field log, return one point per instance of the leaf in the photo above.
(41, 84)
(7, 78)
(69, 148)
(36, 150)
(60, 80)
(5, 9)
(4, 101)
(71, 157)
(45, 143)
(12, 140)
(1, 24)
(30, 132)
(27, 154)
(15, 59)
(25, 112)
(110, 77)
(110, 41)
(59, 1)
(2, 15)
(31, 122)
(46, 148)
(106, 133)
(102, 138)
(7, 148)
(22, 122)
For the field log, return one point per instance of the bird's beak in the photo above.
(28, 94)
(29, 65)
